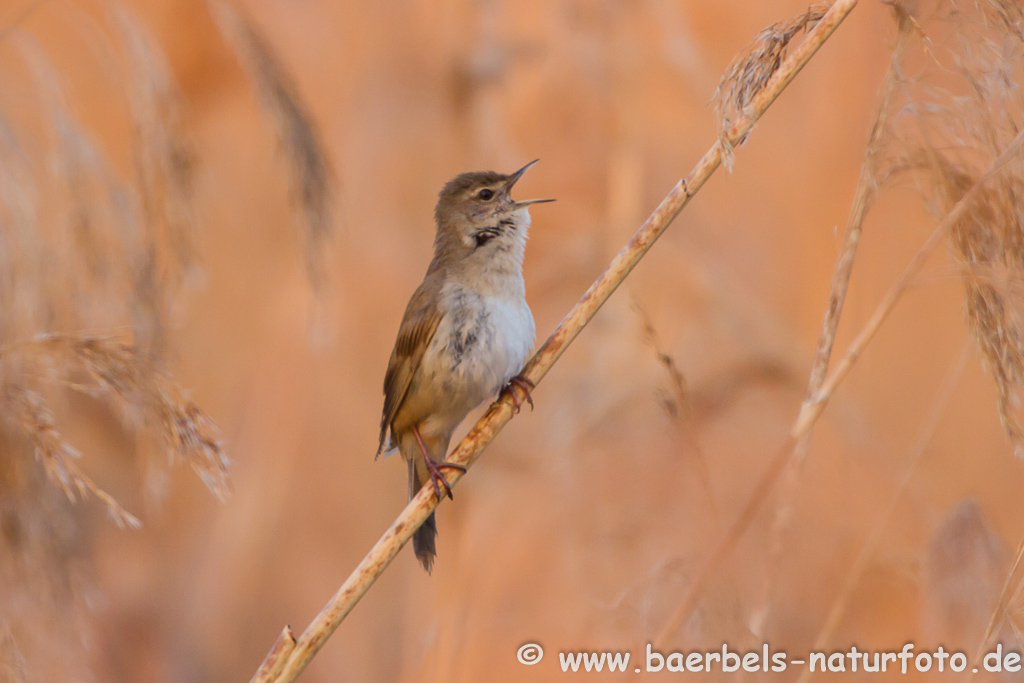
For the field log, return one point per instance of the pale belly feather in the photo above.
(480, 343)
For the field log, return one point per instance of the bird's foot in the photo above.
(437, 478)
(522, 384)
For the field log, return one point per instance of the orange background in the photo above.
(583, 524)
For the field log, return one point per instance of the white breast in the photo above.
(514, 328)
(481, 342)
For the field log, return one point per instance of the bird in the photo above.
(465, 334)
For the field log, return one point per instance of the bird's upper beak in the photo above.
(514, 178)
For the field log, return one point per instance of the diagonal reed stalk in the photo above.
(863, 199)
(682, 415)
(1002, 608)
(881, 526)
(811, 410)
(289, 657)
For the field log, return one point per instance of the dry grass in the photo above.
(868, 185)
(113, 256)
(1007, 608)
(972, 204)
(679, 404)
(751, 70)
(989, 242)
(163, 254)
(30, 413)
(811, 412)
(91, 265)
(123, 252)
(145, 397)
(882, 524)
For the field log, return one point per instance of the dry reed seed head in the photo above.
(35, 420)
(751, 69)
(108, 250)
(311, 173)
(970, 131)
(191, 435)
(115, 366)
(1008, 13)
(46, 548)
(150, 399)
(195, 439)
(163, 254)
(21, 295)
(988, 244)
(678, 401)
(97, 219)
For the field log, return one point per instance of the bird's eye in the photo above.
(486, 194)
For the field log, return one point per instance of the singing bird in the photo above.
(465, 334)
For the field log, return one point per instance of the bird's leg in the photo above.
(524, 385)
(434, 468)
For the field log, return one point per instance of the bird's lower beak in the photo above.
(515, 178)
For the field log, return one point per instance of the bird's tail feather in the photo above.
(423, 540)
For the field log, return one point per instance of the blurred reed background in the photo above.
(217, 212)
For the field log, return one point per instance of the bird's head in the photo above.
(477, 217)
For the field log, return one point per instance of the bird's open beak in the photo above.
(514, 178)
(527, 202)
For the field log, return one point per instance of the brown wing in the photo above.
(422, 316)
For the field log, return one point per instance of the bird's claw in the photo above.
(524, 385)
(437, 476)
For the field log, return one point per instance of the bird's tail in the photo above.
(423, 540)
